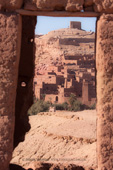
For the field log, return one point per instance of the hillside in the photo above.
(65, 64)
(51, 48)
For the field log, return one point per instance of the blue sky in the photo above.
(47, 24)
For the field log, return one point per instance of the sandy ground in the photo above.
(60, 137)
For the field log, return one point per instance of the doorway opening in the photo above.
(64, 73)
(65, 60)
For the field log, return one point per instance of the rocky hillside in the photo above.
(51, 48)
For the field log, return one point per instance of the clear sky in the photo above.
(47, 24)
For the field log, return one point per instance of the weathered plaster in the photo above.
(10, 26)
(104, 65)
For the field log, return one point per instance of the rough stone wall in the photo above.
(48, 5)
(9, 59)
(51, 5)
(104, 65)
(10, 4)
(10, 26)
(70, 5)
(103, 6)
(25, 79)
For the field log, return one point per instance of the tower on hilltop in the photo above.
(75, 24)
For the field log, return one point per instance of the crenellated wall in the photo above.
(11, 72)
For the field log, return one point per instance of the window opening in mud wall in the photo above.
(64, 83)
(56, 98)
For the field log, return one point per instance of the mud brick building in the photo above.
(71, 69)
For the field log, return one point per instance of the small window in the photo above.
(56, 98)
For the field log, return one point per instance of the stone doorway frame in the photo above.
(61, 14)
(104, 66)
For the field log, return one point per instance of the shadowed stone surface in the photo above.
(15, 167)
(88, 3)
(48, 166)
(9, 60)
(25, 79)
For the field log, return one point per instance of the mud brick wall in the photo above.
(104, 65)
(69, 5)
(24, 97)
(58, 5)
(10, 29)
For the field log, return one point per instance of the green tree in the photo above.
(38, 106)
(72, 99)
(75, 105)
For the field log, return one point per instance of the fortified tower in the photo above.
(75, 24)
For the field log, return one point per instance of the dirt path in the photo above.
(60, 137)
